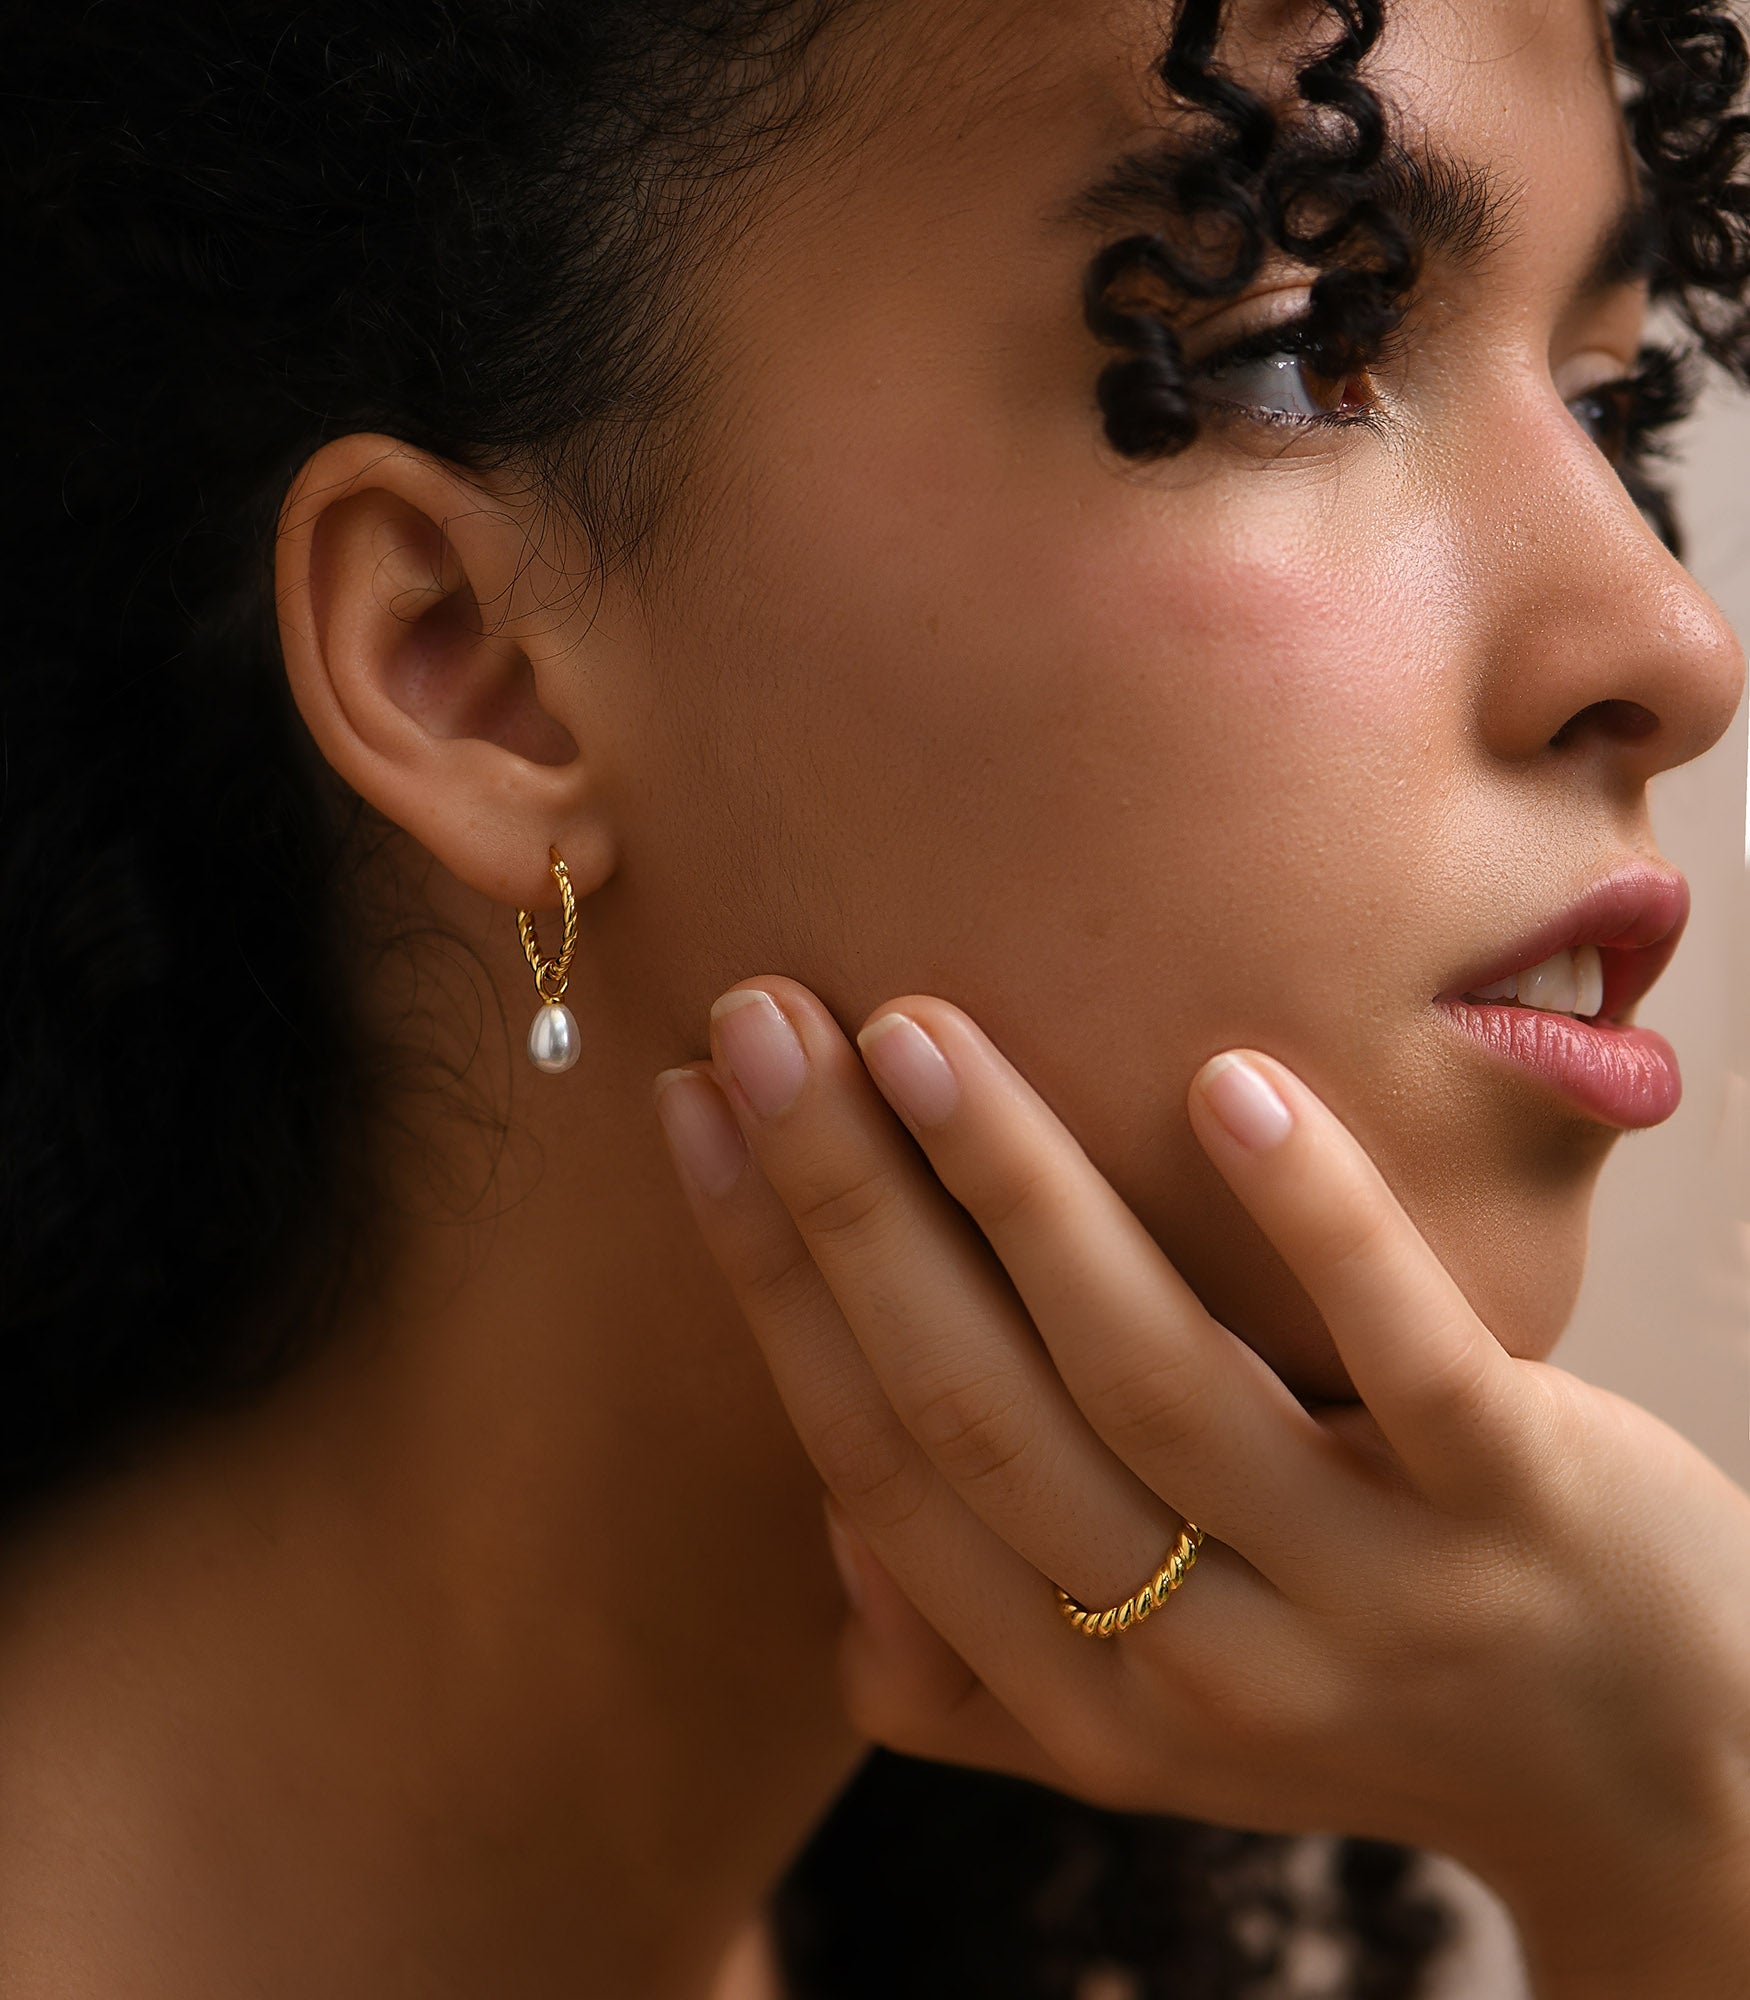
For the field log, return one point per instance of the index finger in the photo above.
(1458, 1410)
(1198, 1415)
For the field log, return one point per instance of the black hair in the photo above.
(236, 233)
(944, 1884)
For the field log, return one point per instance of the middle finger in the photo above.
(992, 1364)
(934, 1319)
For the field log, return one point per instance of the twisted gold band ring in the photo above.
(1149, 1598)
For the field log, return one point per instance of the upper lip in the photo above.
(1635, 917)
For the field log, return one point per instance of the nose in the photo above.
(1605, 655)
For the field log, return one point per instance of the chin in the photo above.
(1515, 1244)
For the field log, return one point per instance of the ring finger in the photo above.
(989, 1602)
(957, 1352)
(931, 1337)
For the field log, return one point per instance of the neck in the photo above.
(495, 1643)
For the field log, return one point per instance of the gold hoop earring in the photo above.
(553, 1039)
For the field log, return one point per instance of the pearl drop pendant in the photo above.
(553, 1038)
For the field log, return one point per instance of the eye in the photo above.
(1278, 377)
(1630, 420)
(1608, 416)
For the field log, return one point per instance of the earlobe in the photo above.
(419, 667)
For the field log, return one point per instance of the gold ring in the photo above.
(1149, 1598)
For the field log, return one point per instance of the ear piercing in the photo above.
(553, 1040)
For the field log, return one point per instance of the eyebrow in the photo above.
(1449, 205)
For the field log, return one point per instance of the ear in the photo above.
(434, 674)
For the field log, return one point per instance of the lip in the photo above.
(1637, 916)
(1620, 1074)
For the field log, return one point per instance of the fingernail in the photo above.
(1245, 1101)
(910, 1068)
(761, 1049)
(843, 1555)
(701, 1130)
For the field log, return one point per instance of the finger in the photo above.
(1004, 1655)
(905, 1687)
(950, 1346)
(928, 1667)
(823, 1379)
(954, 1568)
(991, 1607)
(1446, 1394)
(1195, 1413)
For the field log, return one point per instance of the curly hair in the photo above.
(242, 232)
(940, 1883)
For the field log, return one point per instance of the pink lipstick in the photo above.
(1624, 928)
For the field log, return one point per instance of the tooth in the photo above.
(1503, 989)
(1551, 985)
(1589, 979)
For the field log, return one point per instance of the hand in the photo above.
(1491, 1609)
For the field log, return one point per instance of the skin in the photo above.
(931, 695)
(1362, 1570)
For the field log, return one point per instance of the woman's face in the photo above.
(1272, 743)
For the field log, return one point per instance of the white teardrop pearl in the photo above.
(553, 1041)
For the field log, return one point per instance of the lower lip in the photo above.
(1624, 1076)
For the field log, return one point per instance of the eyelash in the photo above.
(1290, 337)
(1636, 412)
(1646, 406)
(1641, 408)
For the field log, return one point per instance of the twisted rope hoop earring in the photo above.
(553, 1038)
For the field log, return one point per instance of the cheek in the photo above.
(1205, 740)
(1131, 777)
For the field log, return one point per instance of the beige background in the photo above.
(1665, 1313)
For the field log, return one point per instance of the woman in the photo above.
(1120, 534)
